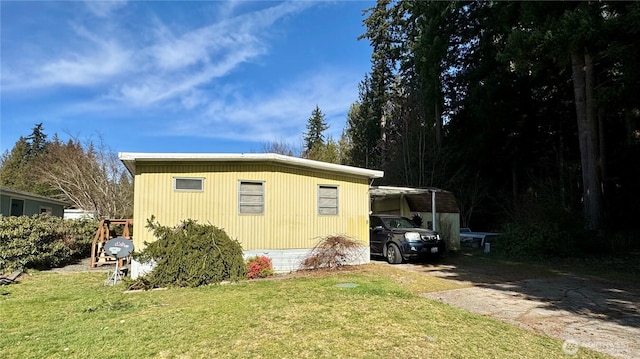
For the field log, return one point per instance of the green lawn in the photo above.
(50, 315)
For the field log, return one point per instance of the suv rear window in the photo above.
(398, 222)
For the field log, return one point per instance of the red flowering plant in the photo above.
(259, 267)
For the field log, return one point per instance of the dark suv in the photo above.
(397, 238)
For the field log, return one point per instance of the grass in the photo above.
(49, 315)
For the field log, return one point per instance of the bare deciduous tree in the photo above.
(280, 147)
(92, 178)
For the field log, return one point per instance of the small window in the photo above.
(251, 197)
(328, 200)
(17, 207)
(188, 184)
(46, 210)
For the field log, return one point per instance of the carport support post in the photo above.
(434, 227)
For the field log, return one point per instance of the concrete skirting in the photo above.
(283, 260)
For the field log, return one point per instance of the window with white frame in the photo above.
(250, 197)
(327, 200)
(188, 184)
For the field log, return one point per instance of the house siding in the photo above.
(31, 206)
(5, 205)
(290, 219)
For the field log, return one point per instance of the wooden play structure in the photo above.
(103, 234)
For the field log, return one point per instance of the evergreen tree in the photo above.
(19, 166)
(325, 152)
(316, 125)
(37, 141)
(12, 166)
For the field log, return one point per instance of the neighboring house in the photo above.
(274, 205)
(407, 202)
(20, 203)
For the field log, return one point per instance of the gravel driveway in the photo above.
(582, 311)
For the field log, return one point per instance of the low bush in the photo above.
(80, 234)
(259, 267)
(332, 252)
(43, 241)
(190, 255)
(547, 232)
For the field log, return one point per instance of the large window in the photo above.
(188, 184)
(328, 200)
(251, 197)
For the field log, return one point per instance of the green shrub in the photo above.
(43, 241)
(191, 255)
(80, 234)
(543, 233)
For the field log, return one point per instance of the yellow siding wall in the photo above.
(290, 218)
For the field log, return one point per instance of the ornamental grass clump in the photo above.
(259, 267)
(332, 252)
(190, 255)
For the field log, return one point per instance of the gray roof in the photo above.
(27, 195)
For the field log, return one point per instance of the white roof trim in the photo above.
(131, 158)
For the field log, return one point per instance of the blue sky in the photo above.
(187, 76)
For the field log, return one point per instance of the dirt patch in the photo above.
(583, 311)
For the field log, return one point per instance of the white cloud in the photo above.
(104, 8)
(281, 115)
(163, 86)
(176, 78)
(171, 65)
(97, 61)
(197, 57)
(109, 59)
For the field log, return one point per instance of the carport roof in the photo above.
(419, 199)
(386, 191)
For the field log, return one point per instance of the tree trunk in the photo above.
(437, 116)
(602, 161)
(514, 182)
(583, 86)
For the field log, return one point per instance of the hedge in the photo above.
(43, 241)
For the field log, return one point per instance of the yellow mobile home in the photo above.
(275, 205)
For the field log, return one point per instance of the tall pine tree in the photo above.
(314, 137)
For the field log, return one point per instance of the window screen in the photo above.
(328, 200)
(251, 197)
(188, 184)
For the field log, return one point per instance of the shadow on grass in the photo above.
(595, 288)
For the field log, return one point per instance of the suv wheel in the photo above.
(393, 254)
